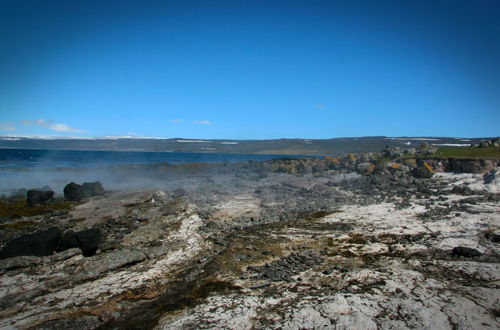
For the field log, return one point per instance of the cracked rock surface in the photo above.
(330, 250)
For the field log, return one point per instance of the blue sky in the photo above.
(250, 69)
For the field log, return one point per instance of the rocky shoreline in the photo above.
(349, 243)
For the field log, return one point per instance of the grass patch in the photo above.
(469, 152)
(19, 208)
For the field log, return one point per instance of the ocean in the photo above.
(35, 168)
(19, 159)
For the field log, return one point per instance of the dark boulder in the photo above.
(472, 166)
(42, 243)
(87, 240)
(462, 190)
(92, 189)
(494, 197)
(73, 192)
(37, 197)
(68, 241)
(463, 251)
(494, 237)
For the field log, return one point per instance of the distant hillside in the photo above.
(337, 146)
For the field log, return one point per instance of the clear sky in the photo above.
(250, 69)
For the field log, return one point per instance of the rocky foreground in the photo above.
(268, 246)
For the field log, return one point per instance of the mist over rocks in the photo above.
(144, 176)
(285, 243)
(75, 192)
(37, 197)
(91, 189)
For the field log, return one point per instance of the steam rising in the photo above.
(116, 170)
(119, 177)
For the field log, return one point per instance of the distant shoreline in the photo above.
(153, 151)
(285, 147)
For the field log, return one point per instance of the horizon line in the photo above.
(131, 137)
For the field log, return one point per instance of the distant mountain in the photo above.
(337, 146)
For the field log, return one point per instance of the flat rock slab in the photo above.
(238, 206)
(105, 262)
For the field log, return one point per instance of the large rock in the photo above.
(472, 165)
(493, 236)
(87, 240)
(92, 189)
(424, 171)
(68, 241)
(463, 251)
(492, 182)
(491, 177)
(366, 167)
(42, 243)
(392, 153)
(159, 196)
(73, 192)
(37, 197)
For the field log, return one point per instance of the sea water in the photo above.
(35, 168)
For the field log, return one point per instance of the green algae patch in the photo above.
(19, 209)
